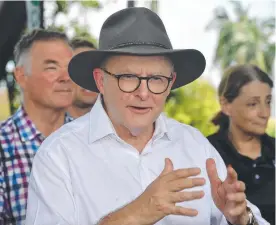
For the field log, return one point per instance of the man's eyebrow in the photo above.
(50, 61)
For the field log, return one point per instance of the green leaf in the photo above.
(62, 6)
(91, 4)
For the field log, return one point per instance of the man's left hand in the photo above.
(228, 195)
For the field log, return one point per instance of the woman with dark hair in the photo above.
(245, 95)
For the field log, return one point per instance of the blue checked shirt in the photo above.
(19, 141)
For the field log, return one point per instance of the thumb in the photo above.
(168, 167)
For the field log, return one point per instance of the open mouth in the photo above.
(139, 110)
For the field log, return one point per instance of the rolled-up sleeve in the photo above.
(50, 195)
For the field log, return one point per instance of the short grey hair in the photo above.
(23, 46)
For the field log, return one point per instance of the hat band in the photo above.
(129, 44)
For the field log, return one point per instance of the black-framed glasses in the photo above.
(157, 84)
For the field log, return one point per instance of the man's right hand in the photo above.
(160, 197)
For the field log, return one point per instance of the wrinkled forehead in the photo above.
(138, 63)
(50, 51)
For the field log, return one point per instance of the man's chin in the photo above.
(136, 130)
(83, 104)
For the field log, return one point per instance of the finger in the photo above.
(168, 167)
(235, 187)
(186, 196)
(232, 175)
(183, 173)
(178, 210)
(238, 209)
(180, 184)
(212, 173)
(236, 197)
(240, 186)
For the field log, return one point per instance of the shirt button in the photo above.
(257, 176)
(254, 165)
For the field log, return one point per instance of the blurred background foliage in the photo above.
(243, 39)
(195, 104)
(72, 27)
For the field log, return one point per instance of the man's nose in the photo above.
(64, 75)
(143, 91)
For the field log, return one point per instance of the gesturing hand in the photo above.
(229, 195)
(159, 199)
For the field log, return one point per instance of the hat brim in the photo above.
(189, 64)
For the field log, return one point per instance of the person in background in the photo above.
(83, 98)
(41, 58)
(245, 94)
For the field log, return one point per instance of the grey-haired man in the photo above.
(125, 163)
(41, 58)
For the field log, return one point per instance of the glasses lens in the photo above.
(158, 84)
(128, 82)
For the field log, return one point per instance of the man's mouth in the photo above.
(139, 110)
(64, 90)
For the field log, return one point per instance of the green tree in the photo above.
(243, 39)
(73, 26)
(194, 104)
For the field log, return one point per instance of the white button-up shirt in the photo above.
(84, 171)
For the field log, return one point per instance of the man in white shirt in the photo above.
(125, 163)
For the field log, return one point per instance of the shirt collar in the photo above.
(265, 150)
(101, 126)
(161, 128)
(26, 128)
(68, 118)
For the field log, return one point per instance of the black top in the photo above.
(258, 175)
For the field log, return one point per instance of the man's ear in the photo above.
(225, 106)
(99, 79)
(19, 76)
(174, 77)
(173, 80)
(170, 85)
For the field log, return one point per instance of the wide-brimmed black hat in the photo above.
(135, 31)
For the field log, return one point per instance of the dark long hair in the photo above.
(231, 83)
